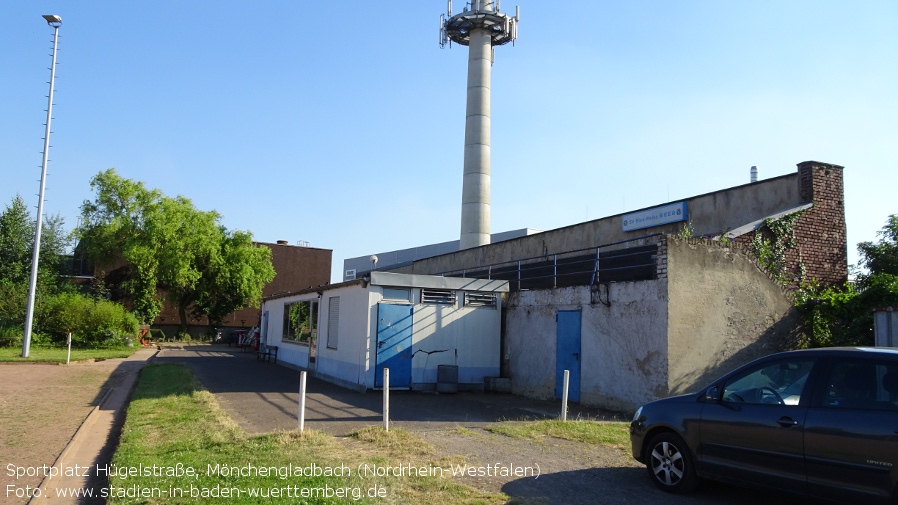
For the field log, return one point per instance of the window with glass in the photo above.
(862, 385)
(301, 322)
(398, 294)
(777, 383)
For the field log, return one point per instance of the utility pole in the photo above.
(54, 21)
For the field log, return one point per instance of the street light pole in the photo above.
(54, 21)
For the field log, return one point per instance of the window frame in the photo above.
(289, 330)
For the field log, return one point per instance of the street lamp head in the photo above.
(53, 20)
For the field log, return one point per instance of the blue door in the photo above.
(394, 345)
(567, 355)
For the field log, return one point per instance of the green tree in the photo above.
(114, 228)
(16, 250)
(16, 238)
(171, 249)
(880, 258)
(235, 277)
(842, 315)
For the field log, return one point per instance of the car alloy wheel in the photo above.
(670, 464)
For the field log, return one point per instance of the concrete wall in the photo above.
(394, 259)
(462, 336)
(885, 327)
(711, 309)
(710, 214)
(623, 343)
(348, 362)
(723, 312)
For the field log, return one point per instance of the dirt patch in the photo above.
(41, 408)
(548, 470)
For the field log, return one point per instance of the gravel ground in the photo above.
(41, 407)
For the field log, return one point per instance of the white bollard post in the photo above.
(567, 377)
(302, 400)
(386, 399)
(68, 343)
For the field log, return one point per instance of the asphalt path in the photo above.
(263, 397)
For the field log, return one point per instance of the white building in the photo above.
(348, 333)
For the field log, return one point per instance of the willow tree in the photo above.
(170, 249)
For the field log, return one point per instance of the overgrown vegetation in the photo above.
(842, 315)
(59, 308)
(771, 243)
(173, 422)
(837, 315)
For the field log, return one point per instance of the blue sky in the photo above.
(342, 123)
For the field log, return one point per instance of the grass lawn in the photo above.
(58, 355)
(179, 446)
(608, 433)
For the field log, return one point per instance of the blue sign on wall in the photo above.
(656, 216)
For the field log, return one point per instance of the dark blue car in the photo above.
(821, 423)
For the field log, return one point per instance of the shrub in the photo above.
(842, 316)
(11, 336)
(93, 323)
(13, 298)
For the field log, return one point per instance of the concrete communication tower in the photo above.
(480, 27)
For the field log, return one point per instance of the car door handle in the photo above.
(787, 422)
(577, 356)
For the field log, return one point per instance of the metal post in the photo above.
(386, 399)
(54, 21)
(567, 377)
(302, 401)
(554, 271)
(68, 343)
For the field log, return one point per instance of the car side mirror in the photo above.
(712, 394)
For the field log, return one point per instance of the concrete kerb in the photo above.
(87, 430)
(68, 448)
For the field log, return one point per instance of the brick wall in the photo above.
(821, 243)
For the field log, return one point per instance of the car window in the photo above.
(775, 383)
(862, 385)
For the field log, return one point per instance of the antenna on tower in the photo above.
(478, 14)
